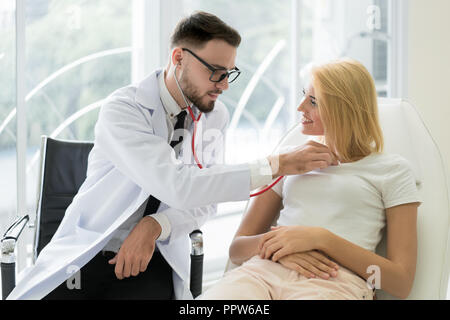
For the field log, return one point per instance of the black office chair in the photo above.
(62, 172)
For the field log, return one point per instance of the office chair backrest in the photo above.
(406, 134)
(62, 171)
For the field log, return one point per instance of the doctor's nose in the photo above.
(222, 85)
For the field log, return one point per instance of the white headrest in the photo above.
(400, 124)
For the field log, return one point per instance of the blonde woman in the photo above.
(330, 220)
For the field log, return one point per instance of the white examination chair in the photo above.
(406, 134)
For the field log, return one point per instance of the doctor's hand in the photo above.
(310, 156)
(137, 249)
(310, 264)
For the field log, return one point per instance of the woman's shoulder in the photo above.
(390, 161)
(391, 157)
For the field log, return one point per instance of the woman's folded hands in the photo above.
(295, 247)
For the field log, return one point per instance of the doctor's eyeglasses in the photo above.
(217, 75)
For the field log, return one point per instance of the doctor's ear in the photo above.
(177, 56)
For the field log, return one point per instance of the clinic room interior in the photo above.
(60, 60)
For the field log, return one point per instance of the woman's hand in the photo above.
(310, 264)
(282, 241)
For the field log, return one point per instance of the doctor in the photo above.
(127, 228)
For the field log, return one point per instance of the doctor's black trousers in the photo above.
(99, 282)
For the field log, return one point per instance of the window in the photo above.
(356, 29)
(77, 53)
(7, 103)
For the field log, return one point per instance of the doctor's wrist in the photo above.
(153, 225)
(276, 162)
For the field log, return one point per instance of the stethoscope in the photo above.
(196, 120)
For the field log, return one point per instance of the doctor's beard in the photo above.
(193, 95)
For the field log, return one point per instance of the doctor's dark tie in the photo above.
(179, 125)
(153, 203)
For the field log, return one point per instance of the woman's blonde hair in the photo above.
(348, 108)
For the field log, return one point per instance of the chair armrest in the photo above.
(196, 242)
(8, 259)
(14, 230)
(196, 263)
(10, 237)
(8, 271)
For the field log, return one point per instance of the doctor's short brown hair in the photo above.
(199, 28)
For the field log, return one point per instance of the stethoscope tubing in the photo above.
(191, 113)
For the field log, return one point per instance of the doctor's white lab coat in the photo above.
(130, 161)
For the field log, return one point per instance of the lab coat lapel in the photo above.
(147, 95)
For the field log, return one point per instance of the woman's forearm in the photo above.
(243, 248)
(392, 277)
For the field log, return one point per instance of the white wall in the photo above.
(429, 67)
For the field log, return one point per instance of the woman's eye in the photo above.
(313, 102)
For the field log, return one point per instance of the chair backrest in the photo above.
(406, 134)
(62, 171)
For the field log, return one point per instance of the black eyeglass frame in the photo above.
(213, 70)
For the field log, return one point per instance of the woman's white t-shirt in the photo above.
(350, 199)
